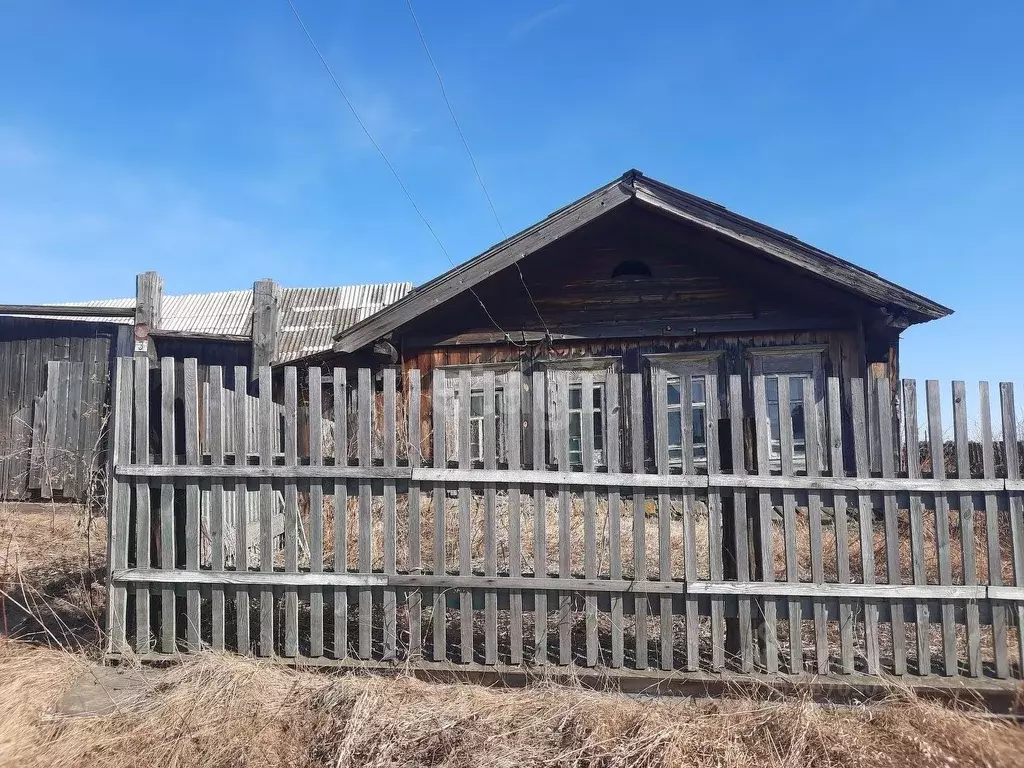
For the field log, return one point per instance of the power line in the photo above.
(391, 167)
(469, 152)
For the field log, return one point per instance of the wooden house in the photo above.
(638, 276)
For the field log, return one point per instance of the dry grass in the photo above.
(227, 711)
(222, 711)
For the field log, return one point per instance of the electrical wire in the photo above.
(391, 167)
(472, 159)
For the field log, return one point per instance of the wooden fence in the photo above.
(772, 549)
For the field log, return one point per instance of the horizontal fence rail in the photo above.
(652, 521)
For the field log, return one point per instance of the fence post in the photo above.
(266, 297)
(149, 295)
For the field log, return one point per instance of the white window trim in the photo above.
(602, 368)
(476, 372)
(697, 363)
(794, 360)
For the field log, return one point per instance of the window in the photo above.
(576, 416)
(794, 369)
(569, 406)
(504, 379)
(476, 421)
(691, 400)
(631, 269)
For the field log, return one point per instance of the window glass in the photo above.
(576, 423)
(697, 419)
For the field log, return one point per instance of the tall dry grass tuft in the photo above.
(220, 711)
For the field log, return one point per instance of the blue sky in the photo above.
(205, 141)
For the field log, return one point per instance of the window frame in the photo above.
(601, 368)
(502, 381)
(795, 360)
(696, 363)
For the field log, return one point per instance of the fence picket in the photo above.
(120, 505)
(415, 597)
(390, 528)
(316, 511)
(769, 627)
(890, 512)
(560, 441)
(339, 385)
(215, 439)
(740, 526)
(716, 566)
(1011, 450)
(513, 449)
(789, 523)
(692, 662)
(966, 508)
(291, 511)
(168, 554)
(937, 455)
(995, 560)
(366, 405)
(439, 614)
(190, 401)
(812, 434)
(841, 525)
(636, 437)
(659, 399)
(490, 451)
(917, 556)
(589, 515)
(143, 513)
(612, 449)
(241, 486)
(465, 396)
(267, 435)
(540, 546)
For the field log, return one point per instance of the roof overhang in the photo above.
(696, 211)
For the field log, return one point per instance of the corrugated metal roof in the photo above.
(308, 318)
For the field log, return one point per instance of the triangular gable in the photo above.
(634, 186)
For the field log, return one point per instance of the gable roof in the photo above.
(634, 186)
(308, 318)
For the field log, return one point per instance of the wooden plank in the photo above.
(995, 558)
(659, 399)
(910, 431)
(560, 441)
(765, 512)
(120, 507)
(35, 467)
(439, 611)
(841, 526)
(613, 459)
(966, 508)
(168, 555)
(215, 438)
(589, 516)
(716, 566)
(74, 453)
(267, 427)
(540, 546)
(61, 458)
(190, 402)
(513, 451)
(53, 412)
(1016, 505)
(316, 510)
(891, 512)
(692, 662)
(465, 517)
(830, 590)
(340, 523)
(239, 405)
(812, 433)
(415, 600)
(291, 510)
(143, 629)
(796, 655)
(740, 528)
(390, 531)
(365, 405)
(935, 440)
(636, 436)
(251, 578)
(490, 450)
